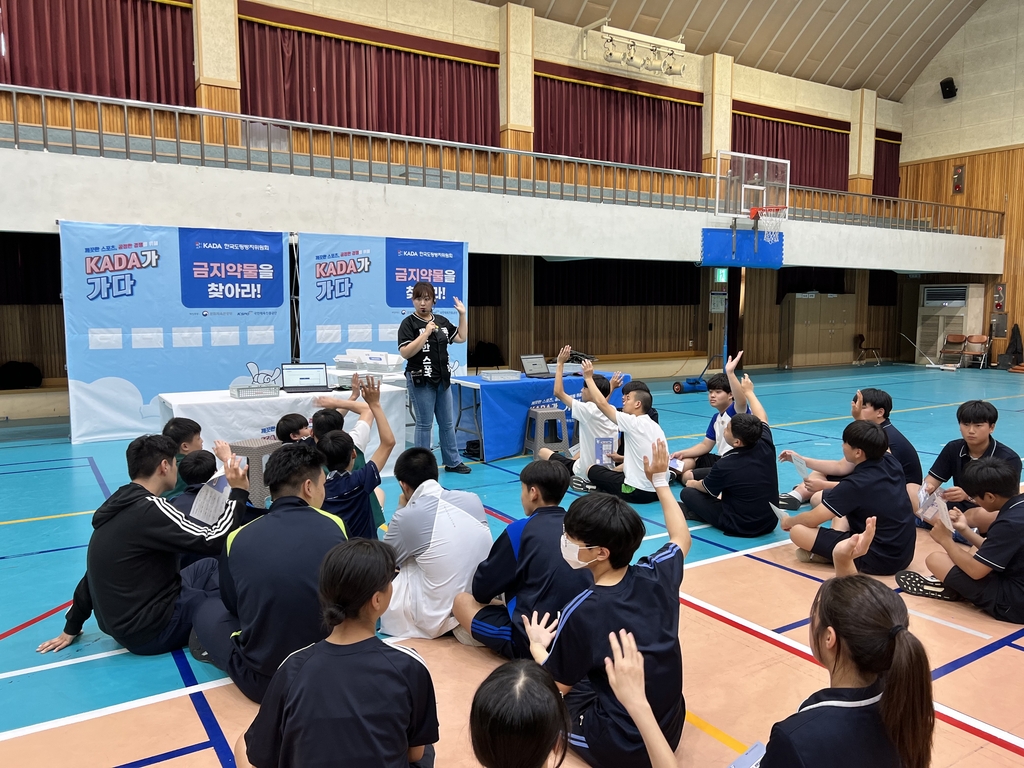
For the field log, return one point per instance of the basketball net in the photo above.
(769, 219)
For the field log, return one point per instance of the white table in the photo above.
(223, 417)
(336, 376)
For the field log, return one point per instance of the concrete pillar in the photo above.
(515, 76)
(862, 141)
(717, 110)
(218, 73)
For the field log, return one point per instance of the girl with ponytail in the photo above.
(351, 699)
(878, 709)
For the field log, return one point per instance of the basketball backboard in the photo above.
(749, 181)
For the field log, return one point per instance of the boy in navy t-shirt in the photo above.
(991, 575)
(602, 533)
(350, 491)
(525, 565)
(876, 488)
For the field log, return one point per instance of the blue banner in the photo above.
(355, 291)
(149, 310)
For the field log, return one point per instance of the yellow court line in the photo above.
(47, 517)
(714, 733)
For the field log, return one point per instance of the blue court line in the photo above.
(217, 739)
(786, 568)
(164, 756)
(794, 625)
(1018, 647)
(42, 552)
(99, 477)
(42, 469)
(980, 653)
(39, 461)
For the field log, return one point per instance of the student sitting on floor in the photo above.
(350, 491)
(602, 534)
(518, 718)
(872, 405)
(991, 575)
(268, 603)
(977, 419)
(132, 580)
(722, 388)
(440, 537)
(351, 699)
(877, 710)
(628, 481)
(525, 566)
(293, 427)
(195, 469)
(875, 488)
(187, 436)
(746, 478)
(591, 423)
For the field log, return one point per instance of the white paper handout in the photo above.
(778, 512)
(801, 467)
(676, 464)
(210, 501)
(934, 510)
(602, 447)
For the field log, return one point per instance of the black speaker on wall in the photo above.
(948, 88)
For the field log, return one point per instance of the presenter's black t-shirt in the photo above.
(431, 362)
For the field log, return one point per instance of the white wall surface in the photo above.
(56, 186)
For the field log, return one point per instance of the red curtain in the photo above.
(311, 78)
(602, 124)
(887, 169)
(817, 157)
(128, 49)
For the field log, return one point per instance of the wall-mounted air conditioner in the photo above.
(948, 309)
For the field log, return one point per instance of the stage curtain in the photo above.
(127, 49)
(615, 282)
(291, 75)
(817, 157)
(887, 169)
(602, 124)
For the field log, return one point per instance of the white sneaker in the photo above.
(465, 637)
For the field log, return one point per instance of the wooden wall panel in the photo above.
(600, 330)
(517, 306)
(760, 318)
(488, 324)
(34, 333)
(995, 181)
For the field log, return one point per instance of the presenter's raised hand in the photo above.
(237, 473)
(588, 369)
(563, 355)
(459, 306)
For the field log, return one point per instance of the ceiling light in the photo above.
(611, 53)
(633, 59)
(670, 66)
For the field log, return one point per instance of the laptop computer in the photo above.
(536, 367)
(304, 377)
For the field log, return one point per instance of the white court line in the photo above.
(1011, 742)
(950, 624)
(741, 553)
(93, 714)
(65, 663)
(665, 534)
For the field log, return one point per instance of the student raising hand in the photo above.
(237, 473)
(625, 669)
(850, 549)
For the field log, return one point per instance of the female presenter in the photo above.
(423, 340)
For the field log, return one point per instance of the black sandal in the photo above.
(923, 586)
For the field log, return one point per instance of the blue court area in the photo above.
(50, 487)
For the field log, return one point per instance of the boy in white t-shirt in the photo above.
(629, 482)
(591, 423)
(726, 396)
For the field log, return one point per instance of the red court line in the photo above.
(768, 637)
(36, 620)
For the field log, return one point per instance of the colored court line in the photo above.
(167, 756)
(949, 624)
(65, 663)
(46, 517)
(36, 620)
(979, 653)
(42, 469)
(38, 461)
(213, 731)
(112, 710)
(715, 733)
(99, 478)
(42, 552)
(498, 515)
(989, 733)
(790, 627)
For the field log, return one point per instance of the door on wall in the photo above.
(806, 336)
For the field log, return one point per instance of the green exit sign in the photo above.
(721, 274)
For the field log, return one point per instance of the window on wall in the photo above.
(615, 283)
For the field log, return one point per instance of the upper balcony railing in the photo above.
(56, 121)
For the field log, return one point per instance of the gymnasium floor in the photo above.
(742, 621)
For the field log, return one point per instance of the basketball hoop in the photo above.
(770, 218)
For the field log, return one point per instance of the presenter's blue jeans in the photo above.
(432, 401)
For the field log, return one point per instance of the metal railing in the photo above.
(55, 121)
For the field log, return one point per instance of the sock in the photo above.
(795, 494)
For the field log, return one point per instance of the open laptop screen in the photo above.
(304, 375)
(534, 363)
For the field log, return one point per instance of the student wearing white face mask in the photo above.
(602, 533)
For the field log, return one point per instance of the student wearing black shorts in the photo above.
(601, 534)
(875, 488)
(992, 574)
(525, 565)
(352, 699)
(746, 478)
(977, 420)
